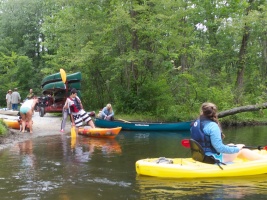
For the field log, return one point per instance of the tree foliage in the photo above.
(160, 58)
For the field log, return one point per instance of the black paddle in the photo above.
(186, 144)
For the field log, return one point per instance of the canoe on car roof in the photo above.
(75, 77)
(59, 85)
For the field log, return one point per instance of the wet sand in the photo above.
(42, 126)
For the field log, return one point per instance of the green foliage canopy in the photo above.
(161, 58)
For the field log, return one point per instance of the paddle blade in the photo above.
(63, 75)
(185, 143)
(73, 142)
(73, 132)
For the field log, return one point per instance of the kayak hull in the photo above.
(9, 112)
(61, 86)
(99, 132)
(57, 77)
(143, 126)
(12, 123)
(189, 168)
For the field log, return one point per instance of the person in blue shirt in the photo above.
(206, 130)
(107, 113)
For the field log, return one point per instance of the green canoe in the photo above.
(56, 78)
(61, 86)
(60, 94)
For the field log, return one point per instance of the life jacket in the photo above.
(76, 107)
(198, 134)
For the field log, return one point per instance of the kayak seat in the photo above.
(164, 160)
(198, 154)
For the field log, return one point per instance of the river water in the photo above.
(58, 167)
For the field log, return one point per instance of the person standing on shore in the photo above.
(26, 111)
(15, 99)
(30, 95)
(8, 100)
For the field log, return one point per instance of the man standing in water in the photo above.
(78, 115)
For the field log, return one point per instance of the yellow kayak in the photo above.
(12, 123)
(189, 168)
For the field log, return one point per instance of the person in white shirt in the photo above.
(8, 100)
(26, 111)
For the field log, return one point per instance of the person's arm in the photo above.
(111, 114)
(214, 131)
(34, 102)
(103, 112)
(80, 102)
(19, 97)
(66, 105)
(72, 120)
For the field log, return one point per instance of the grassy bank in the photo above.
(3, 128)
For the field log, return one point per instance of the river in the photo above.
(57, 167)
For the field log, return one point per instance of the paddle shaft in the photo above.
(186, 143)
(124, 121)
(64, 80)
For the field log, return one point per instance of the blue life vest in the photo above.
(198, 134)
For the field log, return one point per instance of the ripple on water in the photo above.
(109, 182)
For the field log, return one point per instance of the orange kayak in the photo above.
(99, 132)
(11, 123)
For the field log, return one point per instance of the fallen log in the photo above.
(240, 109)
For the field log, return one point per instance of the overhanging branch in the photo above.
(242, 109)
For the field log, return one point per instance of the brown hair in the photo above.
(209, 111)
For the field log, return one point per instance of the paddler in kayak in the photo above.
(206, 130)
(78, 115)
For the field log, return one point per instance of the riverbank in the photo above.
(42, 126)
(50, 125)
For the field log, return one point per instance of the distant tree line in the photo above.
(158, 58)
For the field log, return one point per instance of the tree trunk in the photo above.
(135, 47)
(242, 57)
(247, 108)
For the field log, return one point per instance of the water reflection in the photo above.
(84, 147)
(219, 188)
(107, 146)
(26, 169)
(26, 152)
(55, 167)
